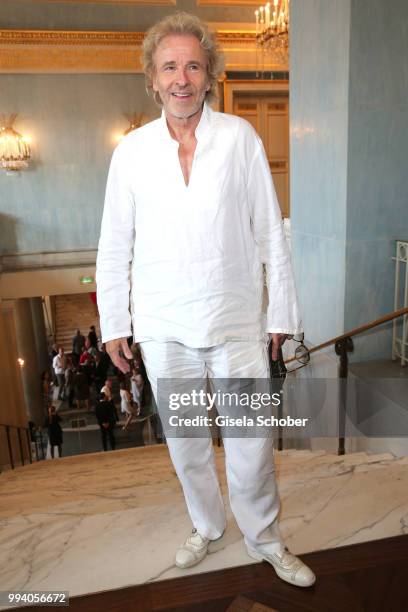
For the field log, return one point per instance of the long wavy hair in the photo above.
(186, 25)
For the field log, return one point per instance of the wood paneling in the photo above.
(12, 404)
(269, 115)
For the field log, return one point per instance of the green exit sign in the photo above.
(86, 280)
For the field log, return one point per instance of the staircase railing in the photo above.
(20, 431)
(343, 345)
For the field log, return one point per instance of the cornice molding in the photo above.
(69, 37)
(255, 3)
(135, 2)
(73, 51)
(236, 36)
(89, 37)
(18, 262)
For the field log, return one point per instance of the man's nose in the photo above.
(182, 76)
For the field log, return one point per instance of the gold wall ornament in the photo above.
(14, 148)
(136, 120)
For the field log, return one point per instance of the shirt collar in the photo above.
(201, 130)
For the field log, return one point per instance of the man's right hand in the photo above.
(113, 347)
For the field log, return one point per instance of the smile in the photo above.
(181, 95)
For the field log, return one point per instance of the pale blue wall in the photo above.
(349, 146)
(57, 204)
(319, 64)
(377, 209)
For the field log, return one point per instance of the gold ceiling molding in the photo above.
(81, 37)
(236, 36)
(70, 37)
(143, 2)
(256, 3)
(60, 51)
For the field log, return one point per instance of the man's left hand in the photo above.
(277, 341)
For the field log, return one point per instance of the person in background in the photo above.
(107, 389)
(46, 390)
(136, 383)
(93, 338)
(81, 389)
(51, 354)
(59, 364)
(69, 380)
(52, 424)
(106, 417)
(126, 405)
(101, 370)
(105, 357)
(78, 343)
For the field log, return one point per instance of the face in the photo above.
(180, 75)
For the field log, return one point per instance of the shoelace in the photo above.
(288, 560)
(195, 534)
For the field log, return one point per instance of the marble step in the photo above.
(300, 466)
(63, 521)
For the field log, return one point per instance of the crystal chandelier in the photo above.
(14, 149)
(272, 25)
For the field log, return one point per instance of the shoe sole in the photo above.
(255, 555)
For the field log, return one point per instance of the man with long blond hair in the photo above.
(190, 220)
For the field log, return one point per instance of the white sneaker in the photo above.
(287, 566)
(193, 550)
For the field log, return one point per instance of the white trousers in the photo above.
(249, 462)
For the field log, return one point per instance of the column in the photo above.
(27, 350)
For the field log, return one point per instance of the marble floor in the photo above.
(108, 520)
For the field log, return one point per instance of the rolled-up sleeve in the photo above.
(267, 226)
(115, 252)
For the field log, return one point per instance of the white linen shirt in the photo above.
(192, 257)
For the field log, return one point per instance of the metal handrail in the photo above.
(357, 330)
(343, 345)
(20, 444)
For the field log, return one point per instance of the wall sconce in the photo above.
(14, 148)
(136, 120)
(20, 362)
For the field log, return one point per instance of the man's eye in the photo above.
(194, 67)
(169, 68)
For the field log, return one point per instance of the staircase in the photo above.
(75, 311)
